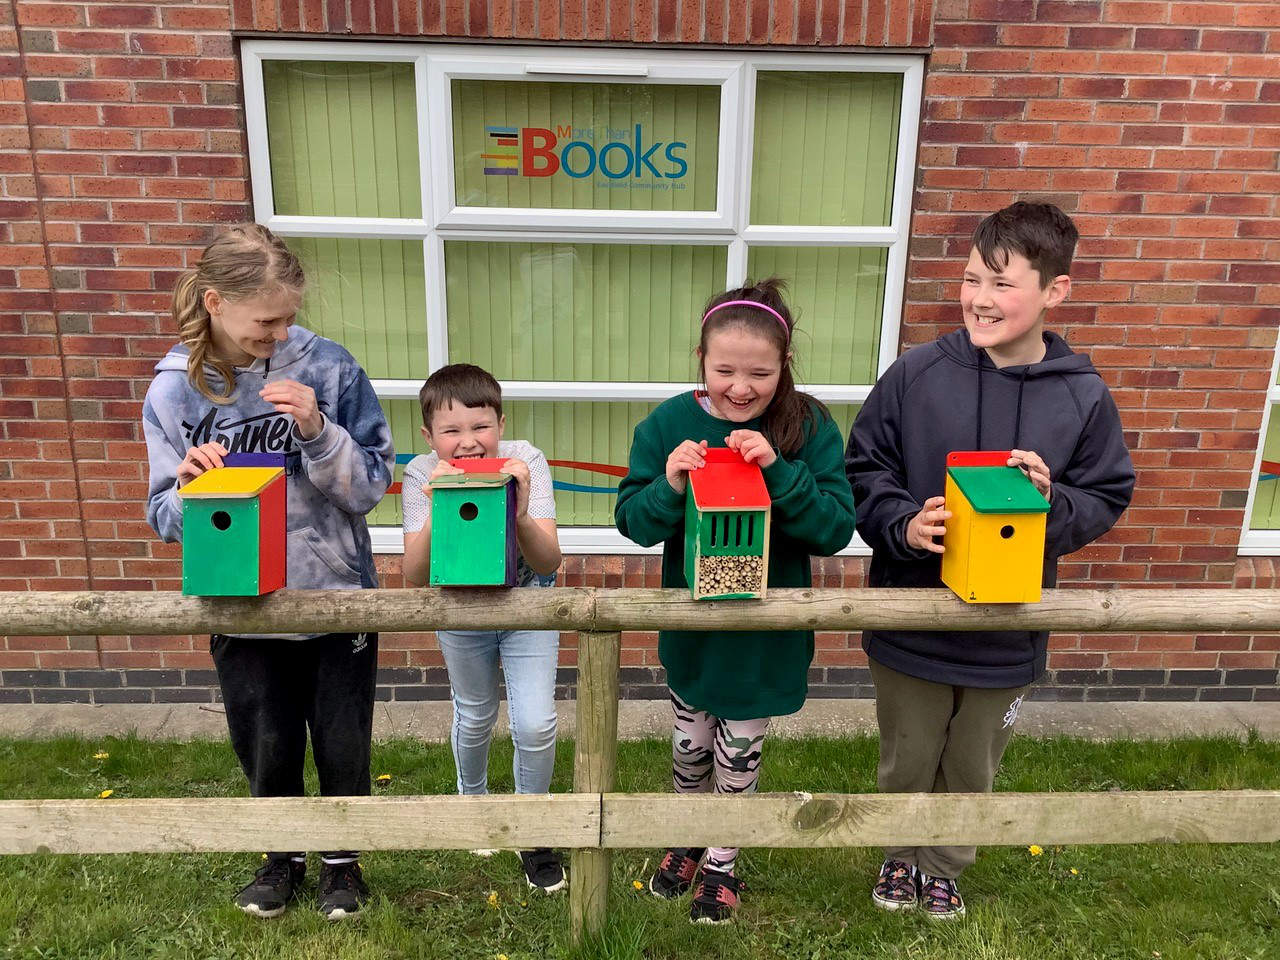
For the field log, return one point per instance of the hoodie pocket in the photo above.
(315, 564)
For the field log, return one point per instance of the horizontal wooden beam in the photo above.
(992, 819)
(585, 608)
(299, 823)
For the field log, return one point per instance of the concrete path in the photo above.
(639, 719)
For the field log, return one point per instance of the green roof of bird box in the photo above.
(473, 526)
(998, 490)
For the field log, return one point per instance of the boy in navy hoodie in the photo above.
(946, 701)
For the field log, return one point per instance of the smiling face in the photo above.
(459, 432)
(741, 370)
(1004, 309)
(247, 330)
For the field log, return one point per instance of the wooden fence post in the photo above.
(594, 770)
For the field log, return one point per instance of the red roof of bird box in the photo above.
(728, 482)
(977, 458)
(481, 464)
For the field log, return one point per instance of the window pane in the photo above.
(597, 436)
(577, 311)
(837, 294)
(587, 146)
(370, 296)
(826, 145)
(1266, 501)
(404, 417)
(343, 139)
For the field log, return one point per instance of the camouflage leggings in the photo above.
(712, 754)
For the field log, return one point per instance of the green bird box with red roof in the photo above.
(473, 526)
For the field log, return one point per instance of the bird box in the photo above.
(233, 531)
(473, 526)
(995, 537)
(726, 528)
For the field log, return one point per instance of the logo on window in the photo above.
(622, 154)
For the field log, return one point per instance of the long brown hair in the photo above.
(244, 261)
(791, 415)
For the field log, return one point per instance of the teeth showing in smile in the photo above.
(988, 321)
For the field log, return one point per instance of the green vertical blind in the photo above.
(579, 311)
(370, 296)
(1266, 499)
(497, 124)
(825, 148)
(837, 295)
(343, 139)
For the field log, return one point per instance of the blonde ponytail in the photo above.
(192, 318)
(242, 262)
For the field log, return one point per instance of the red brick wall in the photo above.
(1155, 124)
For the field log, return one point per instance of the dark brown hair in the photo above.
(461, 383)
(243, 262)
(1038, 231)
(791, 415)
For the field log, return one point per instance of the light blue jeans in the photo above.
(528, 659)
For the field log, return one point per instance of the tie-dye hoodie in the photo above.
(333, 480)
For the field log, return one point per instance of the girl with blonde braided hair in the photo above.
(246, 379)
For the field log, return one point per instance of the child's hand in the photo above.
(442, 469)
(1037, 471)
(520, 470)
(299, 401)
(207, 456)
(753, 446)
(690, 455)
(927, 524)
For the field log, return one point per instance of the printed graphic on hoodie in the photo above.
(335, 478)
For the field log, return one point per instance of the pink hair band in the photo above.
(750, 303)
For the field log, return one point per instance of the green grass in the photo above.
(1139, 902)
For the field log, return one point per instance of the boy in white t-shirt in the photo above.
(462, 417)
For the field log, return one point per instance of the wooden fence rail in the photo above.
(594, 820)
(589, 608)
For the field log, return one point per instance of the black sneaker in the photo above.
(897, 887)
(274, 884)
(940, 899)
(341, 890)
(543, 870)
(675, 873)
(716, 898)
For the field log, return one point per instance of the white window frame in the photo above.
(435, 65)
(1261, 543)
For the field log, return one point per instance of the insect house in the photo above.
(726, 528)
(233, 532)
(995, 537)
(473, 526)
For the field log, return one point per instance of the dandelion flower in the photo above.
(493, 898)
(382, 779)
(1075, 872)
(101, 755)
(637, 884)
(1035, 850)
(501, 956)
(524, 903)
(104, 794)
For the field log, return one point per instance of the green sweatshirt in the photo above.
(738, 675)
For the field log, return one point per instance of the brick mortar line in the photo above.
(53, 302)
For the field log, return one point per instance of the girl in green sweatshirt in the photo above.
(725, 685)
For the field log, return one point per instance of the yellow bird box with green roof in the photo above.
(995, 537)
